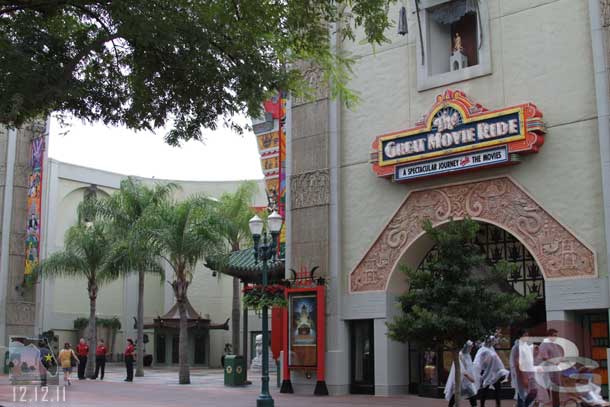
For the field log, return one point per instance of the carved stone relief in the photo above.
(604, 6)
(310, 189)
(313, 76)
(20, 313)
(499, 201)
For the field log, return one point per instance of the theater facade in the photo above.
(495, 110)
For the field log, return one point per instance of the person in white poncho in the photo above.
(492, 370)
(522, 370)
(470, 378)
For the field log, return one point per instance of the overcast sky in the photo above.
(222, 156)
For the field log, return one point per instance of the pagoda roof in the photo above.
(171, 319)
(243, 265)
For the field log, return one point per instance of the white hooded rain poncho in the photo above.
(489, 364)
(522, 362)
(469, 388)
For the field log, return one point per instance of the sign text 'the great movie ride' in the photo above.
(458, 135)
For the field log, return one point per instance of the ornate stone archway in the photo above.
(498, 201)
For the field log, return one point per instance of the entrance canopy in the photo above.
(243, 265)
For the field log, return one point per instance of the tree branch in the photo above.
(103, 24)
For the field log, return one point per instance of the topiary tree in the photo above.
(457, 297)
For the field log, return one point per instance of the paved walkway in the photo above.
(159, 387)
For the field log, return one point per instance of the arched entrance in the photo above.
(501, 202)
(429, 369)
(553, 253)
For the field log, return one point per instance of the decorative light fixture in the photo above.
(265, 249)
(274, 222)
(256, 226)
(403, 28)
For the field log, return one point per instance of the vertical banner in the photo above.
(34, 206)
(271, 140)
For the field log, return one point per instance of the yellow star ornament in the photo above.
(48, 358)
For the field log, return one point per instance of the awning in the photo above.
(242, 264)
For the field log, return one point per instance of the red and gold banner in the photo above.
(271, 140)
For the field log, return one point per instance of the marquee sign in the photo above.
(458, 135)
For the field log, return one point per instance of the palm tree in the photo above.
(86, 252)
(182, 234)
(235, 211)
(131, 252)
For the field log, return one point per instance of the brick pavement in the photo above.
(159, 387)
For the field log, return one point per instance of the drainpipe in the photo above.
(337, 334)
(600, 71)
(7, 213)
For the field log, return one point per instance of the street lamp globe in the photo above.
(256, 225)
(274, 221)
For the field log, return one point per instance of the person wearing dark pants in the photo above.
(46, 360)
(100, 359)
(492, 370)
(129, 358)
(497, 387)
(82, 350)
(472, 400)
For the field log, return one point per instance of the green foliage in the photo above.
(86, 252)
(127, 212)
(256, 297)
(144, 63)
(183, 233)
(458, 297)
(234, 214)
(112, 323)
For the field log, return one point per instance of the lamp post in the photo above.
(265, 251)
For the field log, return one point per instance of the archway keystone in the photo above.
(498, 201)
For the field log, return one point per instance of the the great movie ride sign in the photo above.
(458, 135)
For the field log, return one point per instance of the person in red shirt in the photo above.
(130, 353)
(100, 359)
(82, 350)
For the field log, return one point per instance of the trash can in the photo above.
(235, 370)
(6, 369)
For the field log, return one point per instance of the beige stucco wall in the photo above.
(541, 53)
(66, 299)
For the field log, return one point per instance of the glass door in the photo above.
(362, 357)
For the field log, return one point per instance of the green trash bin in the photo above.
(235, 370)
(6, 369)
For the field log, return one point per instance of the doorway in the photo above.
(160, 348)
(362, 357)
(429, 368)
(200, 349)
(175, 349)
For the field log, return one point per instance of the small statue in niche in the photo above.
(457, 43)
(457, 60)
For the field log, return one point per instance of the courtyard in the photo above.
(159, 387)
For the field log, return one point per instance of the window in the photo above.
(454, 44)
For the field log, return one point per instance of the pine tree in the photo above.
(457, 297)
